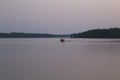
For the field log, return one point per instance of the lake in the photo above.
(49, 59)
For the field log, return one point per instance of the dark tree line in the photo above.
(28, 35)
(99, 33)
(24, 35)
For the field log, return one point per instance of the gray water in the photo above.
(48, 59)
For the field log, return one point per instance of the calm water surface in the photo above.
(48, 59)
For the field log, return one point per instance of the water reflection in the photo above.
(48, 59)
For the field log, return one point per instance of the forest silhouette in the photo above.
(29, 35)
(98, 33)
(94, 33)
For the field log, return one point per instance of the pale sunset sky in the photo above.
(58, 16)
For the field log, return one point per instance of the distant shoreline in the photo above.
(111, 33)
(31, 35)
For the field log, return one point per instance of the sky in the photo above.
(58, 16)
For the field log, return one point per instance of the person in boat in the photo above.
(62, 40)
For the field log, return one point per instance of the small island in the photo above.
(98, 33)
